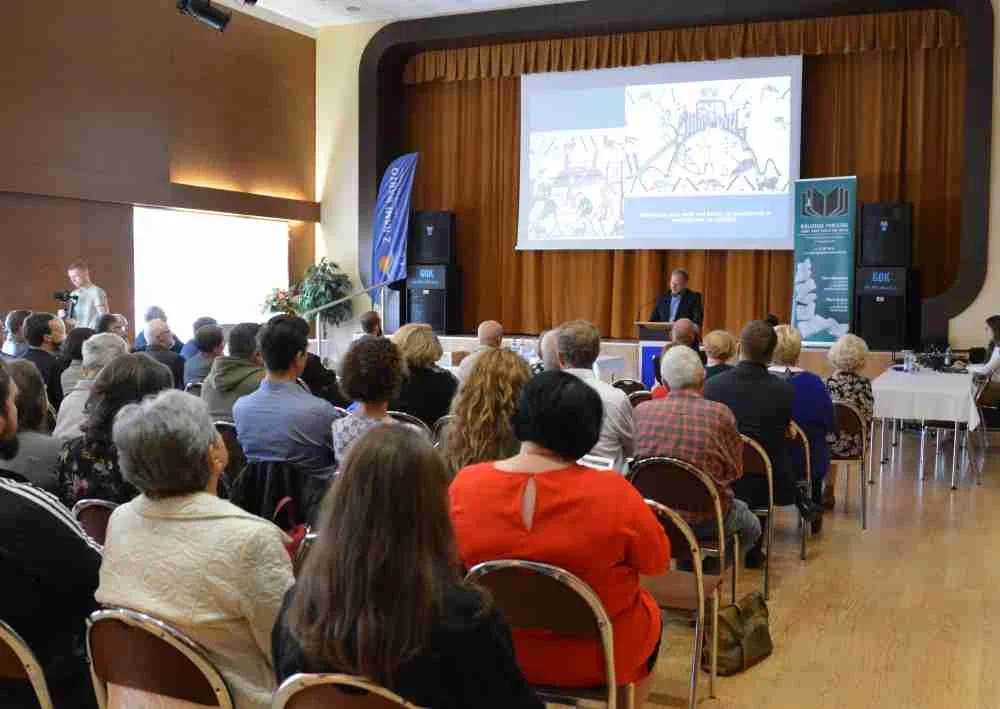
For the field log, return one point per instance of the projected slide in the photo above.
(699, 155)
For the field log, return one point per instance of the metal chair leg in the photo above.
(767, 557)
(923, 442)
(896, 427)
(715, 644)
(737, 556)
(871, 455)
(864, 498)
(954, 459)
(696, 661)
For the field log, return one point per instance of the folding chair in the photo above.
(93, 516)
(193, 388)
(536, 596)
(686, 591)
(412, 420)
(639, 397)
(330, 691)
(18, 663)
(442, 427)
(131, 649)
(596, 462)
(629, 386)
(303, 551)
(802, 441)
(849, 420)
(756, 462)
(341, 412)
(683, 487)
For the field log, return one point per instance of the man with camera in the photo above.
(88, 302)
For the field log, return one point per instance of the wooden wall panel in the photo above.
(42, 235)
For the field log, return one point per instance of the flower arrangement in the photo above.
(282, 300)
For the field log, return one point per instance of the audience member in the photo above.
(762, 405)
(372, 373)
(15, 345)
(579, 345)
(684, 332)
(88, 465)
(98, 351)
(371, 323)
(190, 348)
(322, 382)
(238, 374)
(281, 421)
(484, 408)
(383, 529)
(154, 312)
(114, 323)
(660, 390)
(220, 573)
(158, 339)
(991, 369)
(427, 390)
(812, 410)
(719, 348)
(90, 301)
(538, 365)
(490, 334)
(45, 334)
(72, 354)
(541, 505)
(772, 320)
(49, 569)
(847, 357)
(211, 343)
(38, 452)
(548, 345)
(703, 433)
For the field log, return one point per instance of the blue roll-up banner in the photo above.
(823, 292)
(391, 224)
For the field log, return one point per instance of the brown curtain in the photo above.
(883, 99)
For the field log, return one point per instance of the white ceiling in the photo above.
(307, 16)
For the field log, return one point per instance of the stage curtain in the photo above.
(883, 99)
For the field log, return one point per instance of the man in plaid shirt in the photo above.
(703, 433)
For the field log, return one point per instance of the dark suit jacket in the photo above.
(51, 368)
(172, 360)
(691, 307)
(762, 404)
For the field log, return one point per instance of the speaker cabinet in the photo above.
(886, 234)
(888, 310)
(434, 297)
(432, 238)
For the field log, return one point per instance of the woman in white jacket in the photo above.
(184, 556)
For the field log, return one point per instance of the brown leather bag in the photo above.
(744, 637)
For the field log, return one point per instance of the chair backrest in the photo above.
(341, 412)
(193, 388)
(756, 462)
(536, 596)
(93, 516)
(303, 551)
(329, 691)
(849, 420)
(596, 462)
(681, 535)
(135, 650)
(442, 428)
(18, 663)
(639, 397)
(802, 441)
(237, 458)
(629, 386)
(404, 417)
(683, 487)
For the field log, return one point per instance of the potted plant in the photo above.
(324, 283)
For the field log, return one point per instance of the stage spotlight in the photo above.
(205, 12)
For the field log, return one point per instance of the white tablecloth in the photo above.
(926, 396)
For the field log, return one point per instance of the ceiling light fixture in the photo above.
(206, 13)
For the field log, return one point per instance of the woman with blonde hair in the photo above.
(847, 357)
(427, 389)
(483, 410)
(719, 347)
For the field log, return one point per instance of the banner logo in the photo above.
(835, 203)
(391, 223)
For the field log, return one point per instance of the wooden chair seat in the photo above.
(675, 589)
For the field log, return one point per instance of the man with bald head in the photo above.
(685, 332)
(490, 335)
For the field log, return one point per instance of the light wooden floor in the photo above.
(903, 615)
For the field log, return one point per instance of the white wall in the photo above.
(338, 58)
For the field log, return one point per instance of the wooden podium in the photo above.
(654, 331)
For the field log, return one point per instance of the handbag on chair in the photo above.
(744, 636)
(295, 530)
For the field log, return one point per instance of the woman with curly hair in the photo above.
(370, 374)
(847, 357)
(481, 430)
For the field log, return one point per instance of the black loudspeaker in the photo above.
(888, 308)
(432, 238)
(434, 297)
(886, 234)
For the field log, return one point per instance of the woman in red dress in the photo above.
(542, 506)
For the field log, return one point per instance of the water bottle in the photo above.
(947, 357)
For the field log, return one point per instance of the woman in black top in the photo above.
(427, 389)
(380, 594)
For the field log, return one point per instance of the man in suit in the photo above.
(159, 340)
(762, 404)
(679, 302)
